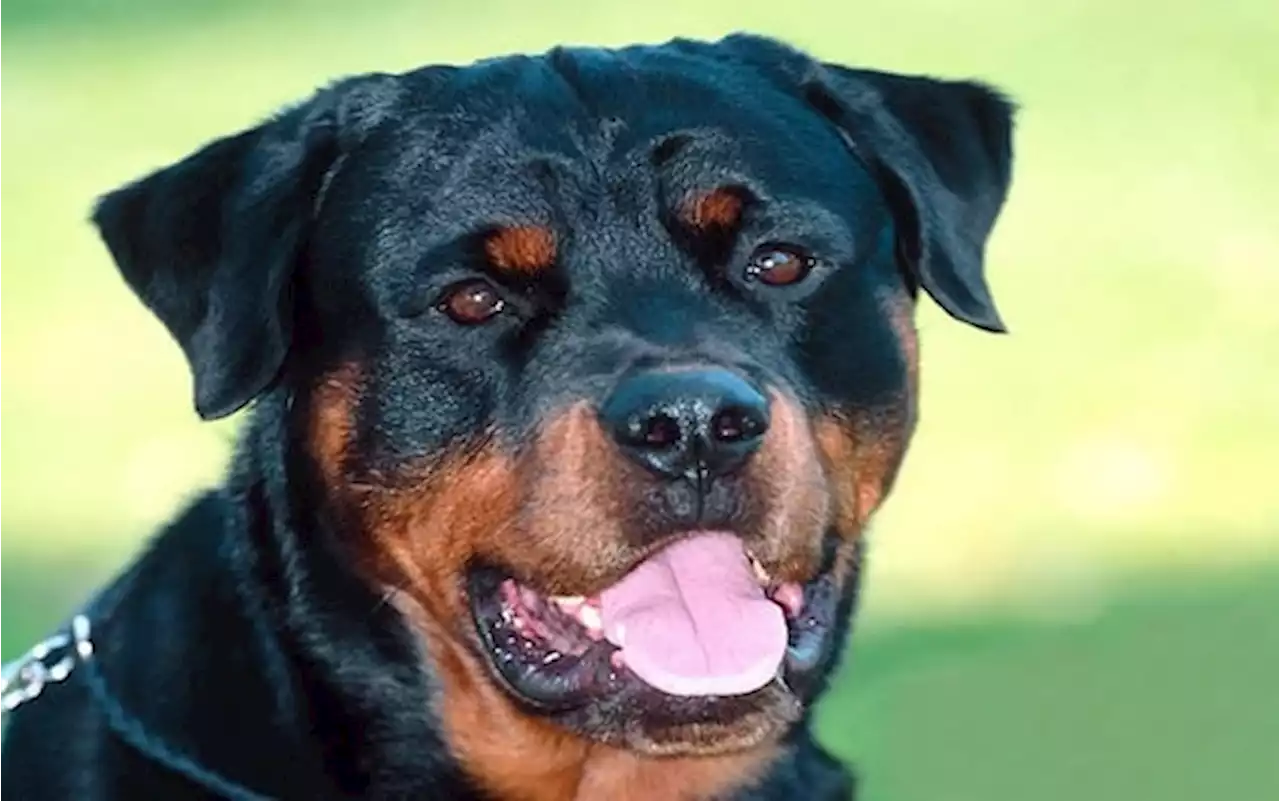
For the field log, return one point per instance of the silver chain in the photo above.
(49, 662)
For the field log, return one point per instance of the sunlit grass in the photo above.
(1166, 692)
(1130, 418)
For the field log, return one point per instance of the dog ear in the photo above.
(940, 150)
(210, 245)
(943, 152)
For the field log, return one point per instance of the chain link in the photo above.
(49, 662)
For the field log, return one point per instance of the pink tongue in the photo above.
(693, 620)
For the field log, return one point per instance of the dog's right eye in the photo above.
(472, 302)
(780, 265)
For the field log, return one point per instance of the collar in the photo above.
(50, 661)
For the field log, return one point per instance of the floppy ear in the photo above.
(209, 245)
(942, 151)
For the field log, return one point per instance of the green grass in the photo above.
(1168, 692)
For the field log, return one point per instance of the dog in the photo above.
(576, 379)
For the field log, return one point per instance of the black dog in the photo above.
(576, 378)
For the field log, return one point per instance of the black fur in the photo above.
(242, 646)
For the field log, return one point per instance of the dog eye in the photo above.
(472, 302)
(779, 266)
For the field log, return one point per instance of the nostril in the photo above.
(736, 424)
(679, 423)
(654, 431)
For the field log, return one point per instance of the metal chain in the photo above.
(49, 662)
(52, 661)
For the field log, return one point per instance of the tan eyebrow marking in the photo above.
(719, 208)
(521, 249)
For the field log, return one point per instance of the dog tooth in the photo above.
(589, 616)
(762, 575)
(552, 657)
(569, 604)
(781, 681)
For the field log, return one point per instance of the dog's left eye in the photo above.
(778, 265)
(472, 302)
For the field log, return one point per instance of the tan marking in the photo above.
(552, 511)
(521, 249)
(615, 774)
(575, 499)
(901, 312)
(863, 448)
(719, 208)
(787, 481)
(333, 409)
(862, 451)
(834, 438)
(468, 509)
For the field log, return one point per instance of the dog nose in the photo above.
(692, 423)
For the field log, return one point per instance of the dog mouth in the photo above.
(699, 621)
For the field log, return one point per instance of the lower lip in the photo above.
(553, 680)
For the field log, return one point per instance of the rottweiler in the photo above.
(575, 380)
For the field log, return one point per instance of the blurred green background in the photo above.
(1072, 591)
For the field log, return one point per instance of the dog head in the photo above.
(602, 358)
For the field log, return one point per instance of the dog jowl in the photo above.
(594, 364)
